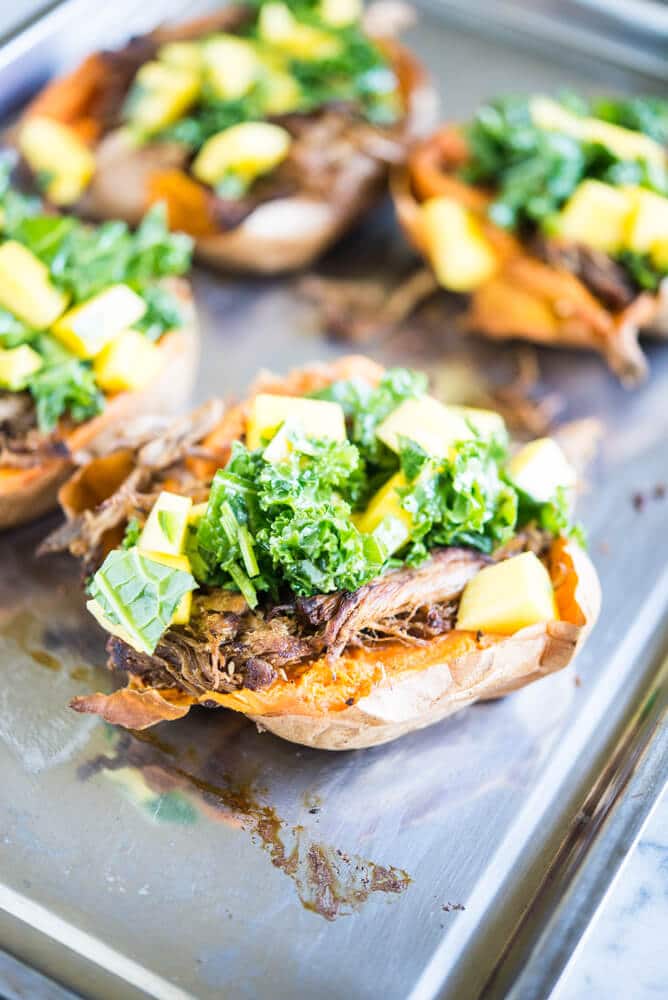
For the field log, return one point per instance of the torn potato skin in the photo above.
(337, 169)
(379, 685)
(544, 291)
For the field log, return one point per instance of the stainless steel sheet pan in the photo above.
(207, 860)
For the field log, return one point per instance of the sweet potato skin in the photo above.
(26, 494)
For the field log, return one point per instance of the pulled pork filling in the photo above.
(22, 444)
(226, 646)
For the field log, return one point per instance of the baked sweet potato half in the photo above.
(341, 558)
(266, 129)
(552, 217)
(96, 328)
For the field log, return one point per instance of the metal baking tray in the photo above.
(204, 859)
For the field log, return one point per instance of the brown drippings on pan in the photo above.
(361, 309)
(25, 630)
(328, 881)
(80, 673)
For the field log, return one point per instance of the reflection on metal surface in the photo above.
(329, 881)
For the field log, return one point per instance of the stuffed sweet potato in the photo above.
(266, 129)
(341, 558)
(552, 218)
(96, 328)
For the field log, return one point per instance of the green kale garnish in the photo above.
(66, 387)
(133, 530)
(534, 172)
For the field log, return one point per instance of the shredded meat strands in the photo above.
(22, 444)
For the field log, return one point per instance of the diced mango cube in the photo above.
(17, 364)
(246, 150)
(278, 26)
(486, 423)
(232, 66)
(435, 426)
(340, 13)
(56, 152)
(197, 512)
(540, 468)
(316, 417)
(90, 326)
(508, 596)
(460, 254)
(659, 254)
(26, 289)
(165, 528)
(184, 55)
(385, 518)
(127, 363)
(283, 94)
(648, 220)
(161, 94)
(596, 215)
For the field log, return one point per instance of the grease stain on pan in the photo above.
(328, 881)
(26, 631)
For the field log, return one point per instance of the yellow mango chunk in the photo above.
(435, 426)
(659, 254)
(90, 326)
(17, 364)
(540, 468)
(56, 152)
(165, 528)
(487, 423)
(623, 142)
(231, 66)
(648, 220)
(26, 289)
(197, 512)
(596, 215)
(508, 596)
(384, 516)
(340, 13)
(184, 55)
(283, 93)
(459, 253)
(246, 150)
(161, 94)
(278, 26)
(182, 614)
(127, 363)
(318, 418)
